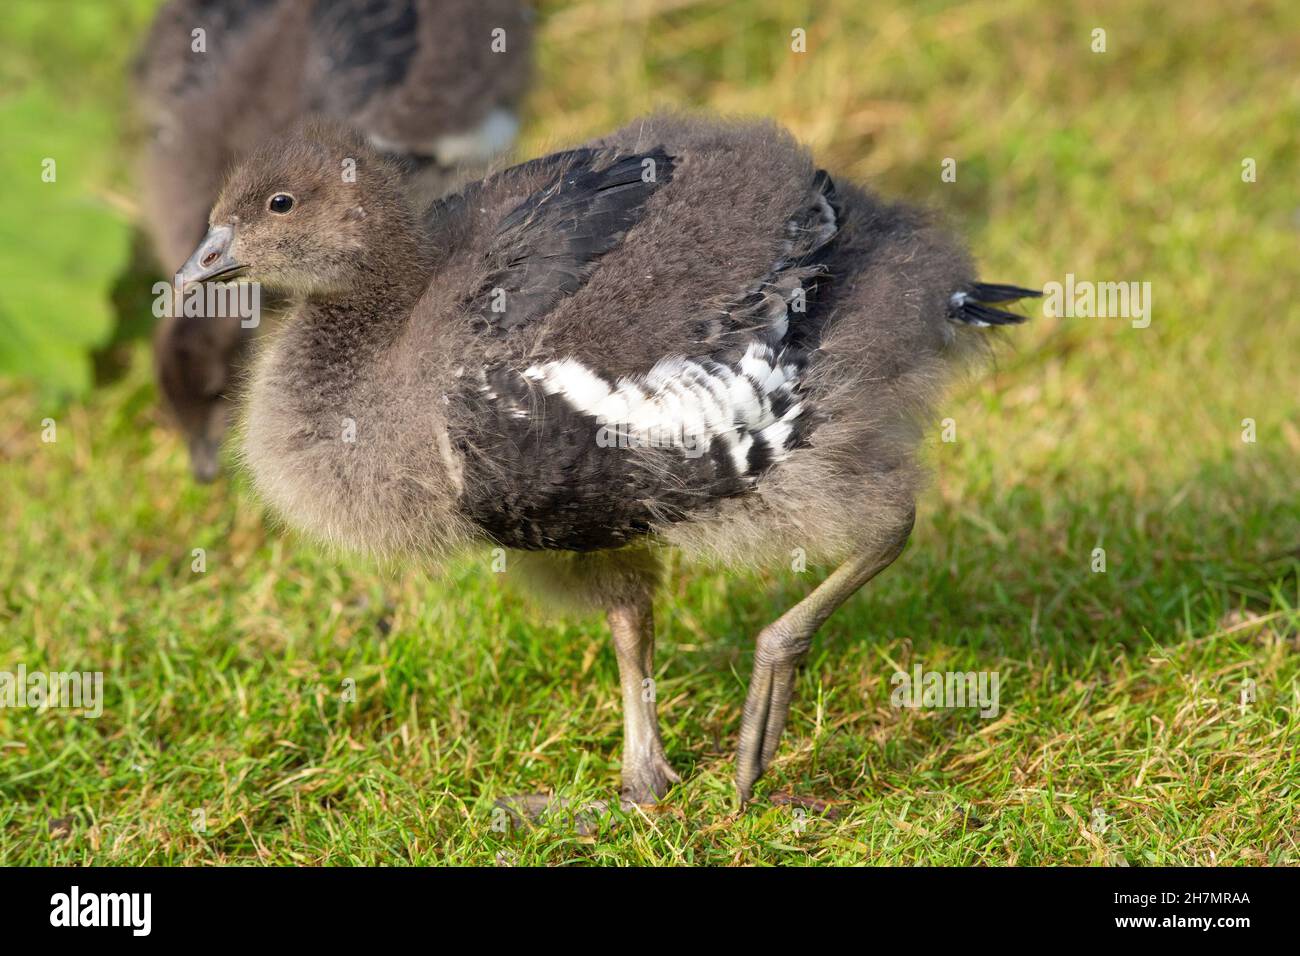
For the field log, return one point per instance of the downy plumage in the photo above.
(683, 333)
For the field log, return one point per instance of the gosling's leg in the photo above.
(782, 645)
(646, 772)
(623, 583)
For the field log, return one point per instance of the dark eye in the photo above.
(280, 203)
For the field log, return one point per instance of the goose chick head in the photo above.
(309, 214)
(329, 415)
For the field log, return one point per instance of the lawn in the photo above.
(287, 705)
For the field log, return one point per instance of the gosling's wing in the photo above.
(779, 310)
(442, 216)
(542, 473)
(563, 454)
(548, 245)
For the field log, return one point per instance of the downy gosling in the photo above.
(681, 334)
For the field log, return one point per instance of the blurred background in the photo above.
(1120, 689)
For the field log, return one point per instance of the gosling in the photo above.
(681, 334)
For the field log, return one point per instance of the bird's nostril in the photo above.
(210, 258)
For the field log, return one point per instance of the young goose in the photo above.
(683, 333)
(428, 81)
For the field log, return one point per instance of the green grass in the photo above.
(1120, 691)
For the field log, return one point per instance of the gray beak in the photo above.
(205, 463)
(212, 261)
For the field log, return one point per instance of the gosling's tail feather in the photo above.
(974, 304)
(997, 292)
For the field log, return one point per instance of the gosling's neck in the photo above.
(348, 327)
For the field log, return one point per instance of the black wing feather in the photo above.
(543, 480)
(547, 246)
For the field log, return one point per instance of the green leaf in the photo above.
(60, 245)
